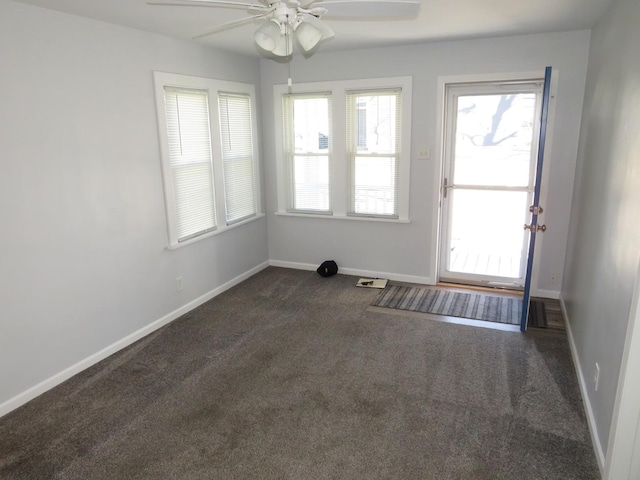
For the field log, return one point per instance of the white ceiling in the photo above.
(438, 20)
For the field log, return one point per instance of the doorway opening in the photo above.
(491, 133)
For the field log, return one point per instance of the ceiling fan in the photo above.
(284, 19)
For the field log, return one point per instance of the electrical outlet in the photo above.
(596, 377)
(179, 285)
(554, 278)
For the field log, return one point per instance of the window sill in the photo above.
(344, 217)
(218, 231)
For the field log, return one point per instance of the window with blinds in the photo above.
(210, 162)
(190, 160)
(373, 151)
(343, 149)
(307, 151)
(236, 139)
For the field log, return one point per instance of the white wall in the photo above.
(82, 252)
(604, 240)
(405, 250)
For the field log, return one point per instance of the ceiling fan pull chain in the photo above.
(289, 81)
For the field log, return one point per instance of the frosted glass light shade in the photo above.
(308, 36)
(267, 36)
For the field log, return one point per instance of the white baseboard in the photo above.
(554, 294)
(591, 421)
(69, 372)
(294, 265)
(357, 272)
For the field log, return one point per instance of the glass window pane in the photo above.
(373, 140)
(236, 136)
(375, 185)
(311, 183)
(190, 160)
(311, 125)
(376, 123)
(307, 145)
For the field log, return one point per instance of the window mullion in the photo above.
(339, 172)
(216, 146)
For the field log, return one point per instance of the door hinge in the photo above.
(536, 209)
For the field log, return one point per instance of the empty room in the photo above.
(334, 239)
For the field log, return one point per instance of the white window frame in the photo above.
(339, 171)
(213, 87)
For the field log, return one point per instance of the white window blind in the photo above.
(237, 156)
(307, 149)
(190, 159)
(373, 151)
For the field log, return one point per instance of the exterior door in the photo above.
(491, 145)
(535, 209)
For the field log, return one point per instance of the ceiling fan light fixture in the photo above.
(308, 36)
(268, 36)
(284, 19)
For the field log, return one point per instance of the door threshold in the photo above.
(511, 290)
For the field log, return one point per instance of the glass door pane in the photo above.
(493, 139)
(486, 232)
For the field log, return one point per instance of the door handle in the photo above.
(446, 187)
(535, 228)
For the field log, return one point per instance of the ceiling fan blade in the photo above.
(212, 3)
(370, 8)
(228, 25)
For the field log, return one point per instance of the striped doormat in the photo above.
(477, 306)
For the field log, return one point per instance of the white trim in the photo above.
(537, 292)
(591, 421)
(78, 367)
(360, 218)
(398, 277)
(623, 451)
(214, 232)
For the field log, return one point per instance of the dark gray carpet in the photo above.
(288, 376)
(477, 306)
